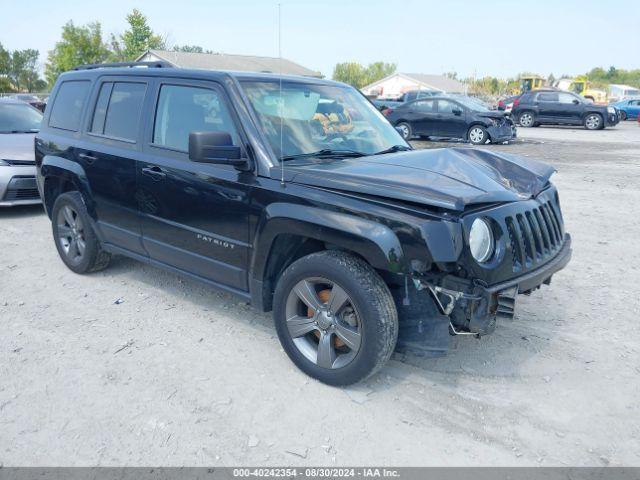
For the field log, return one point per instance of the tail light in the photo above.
(516, 102)
(501, 103)
(387, 111)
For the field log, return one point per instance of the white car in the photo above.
(19, 123)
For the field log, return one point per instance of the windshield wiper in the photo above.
(394, 149)
(324, 153)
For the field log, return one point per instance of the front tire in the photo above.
(405, 130)
(335, 317)
(77, 244)
(477, 135)
(623, 115)
(594, 121)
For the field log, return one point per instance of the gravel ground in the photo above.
(135, 366)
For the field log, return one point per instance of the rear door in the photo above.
(548, 106)
(634, 108)
(423, 116)
(107, 154)
(450, 120)
(194, 215)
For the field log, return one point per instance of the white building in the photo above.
(620, 92)
(395, 85)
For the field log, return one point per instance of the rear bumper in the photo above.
(18, 186)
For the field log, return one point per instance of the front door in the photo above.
(570, 108)
(451, 120)
(194, 215)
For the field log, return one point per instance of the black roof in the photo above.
(95, 71)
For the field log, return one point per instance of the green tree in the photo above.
(190, 49)
(5, 61)
(78, 45)
(351, 73)
(137, 39)
(359, 76)
(19, 70)
(24, 69)
(377, 71)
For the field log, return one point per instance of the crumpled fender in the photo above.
(376, 243)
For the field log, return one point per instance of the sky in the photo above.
(474, 38)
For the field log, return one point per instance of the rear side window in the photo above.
(182, 110)
(117, 112)
(425, 106)
(547, 97)
(68, 104)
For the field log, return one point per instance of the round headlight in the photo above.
(481, 240)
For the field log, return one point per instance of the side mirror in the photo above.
(215, 147)
(576, 101)
(457, 112)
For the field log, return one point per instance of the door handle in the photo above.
(154, 172)
(87, 157)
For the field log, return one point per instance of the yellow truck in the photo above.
(583, 87)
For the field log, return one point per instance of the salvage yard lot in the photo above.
(136, 366)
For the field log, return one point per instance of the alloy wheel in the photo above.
(323, 322)
(404, 131)
(71, 234)
(526, 119)
(476, 135)
(592, 122)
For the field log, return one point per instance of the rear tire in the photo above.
(355, 352)
(527, 119)
(405, 130)
(77, 243)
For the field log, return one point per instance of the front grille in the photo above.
(22, 194)
(535, 235)
(22, 188)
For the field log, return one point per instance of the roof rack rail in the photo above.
(92, 66)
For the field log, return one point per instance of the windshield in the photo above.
(473, 103)
(319, 118)
(19, 118)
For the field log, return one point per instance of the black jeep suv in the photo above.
(555, 107)
(297, 195)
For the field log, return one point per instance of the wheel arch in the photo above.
(60, 175)
(287, 232)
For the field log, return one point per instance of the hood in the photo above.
(17, 146)
(450, 178)
(490, 113)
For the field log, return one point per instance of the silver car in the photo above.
(19, 122)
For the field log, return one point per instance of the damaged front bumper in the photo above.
(467, 307)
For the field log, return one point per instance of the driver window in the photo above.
(565, 98)
(182, 110)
